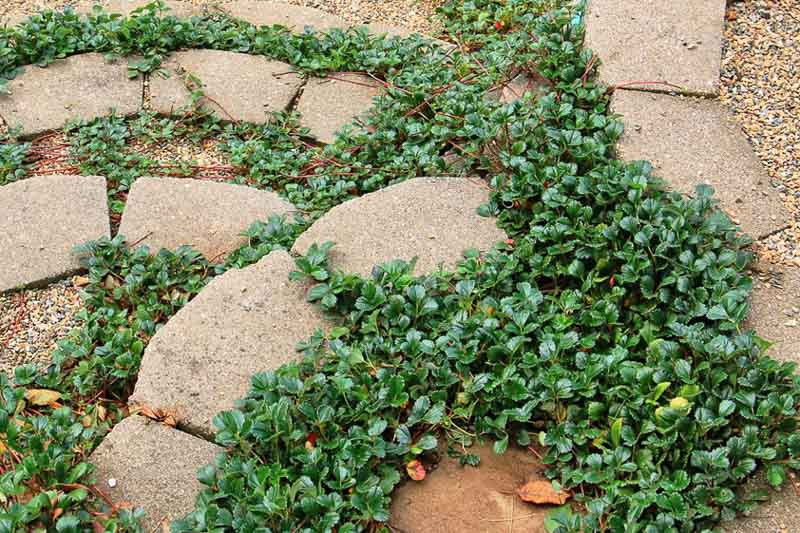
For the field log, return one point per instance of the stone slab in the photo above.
(42, 219)
(210, 216)
(177, 8)
(153, 467)
(379, 28)
(294, 17)
(13, 18)
(775, 310)
(244, 322)
(463, 499)
(328, 104)
(679, 42)
(692, 141)
(240, 87)
(779, 514)
(83, 87)
(433, 219)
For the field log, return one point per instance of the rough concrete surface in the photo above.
(775, 313)
(42, 219)
(328, 104)
(178, 8)
(779, 514)
(82, 87)
(210, 216)
(691, 141)
(244, 322)
(296, 18)
(678, 42)
(433, 219)
(152, 466)
(238, 87)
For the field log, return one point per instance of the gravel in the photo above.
(415, 15)
(761, 84)
(32, 321)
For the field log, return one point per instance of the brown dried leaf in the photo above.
(415, 470)
(80, 281)
(541, 492)
(168, 418)
(40, 397)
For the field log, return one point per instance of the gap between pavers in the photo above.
(678, 41)
(42, 220)
(239, 87)
(143, 463)
(432, 219)
(83, 87)
(244, 322)
(693, 141)
(210, 216)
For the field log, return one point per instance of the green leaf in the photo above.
(616, 432)
(776, 475)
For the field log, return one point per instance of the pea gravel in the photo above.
(760, 82)
(415, 15)
(32, 321)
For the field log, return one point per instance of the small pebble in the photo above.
(759, 84)
(32, 321)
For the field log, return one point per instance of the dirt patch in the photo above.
(465, 499)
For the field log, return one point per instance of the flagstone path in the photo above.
(250, 320)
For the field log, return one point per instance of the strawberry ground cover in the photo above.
(607, 329)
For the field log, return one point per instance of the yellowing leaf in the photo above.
(541, 492)
(41, 397)
(415, 470)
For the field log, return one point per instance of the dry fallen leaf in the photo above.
(80, 281)
(415, 470)
(541, 492)
(159, 415)
(40, 397)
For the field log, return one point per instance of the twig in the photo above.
(133, 245)
(93, 488)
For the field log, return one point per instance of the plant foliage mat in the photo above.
(607, 329)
